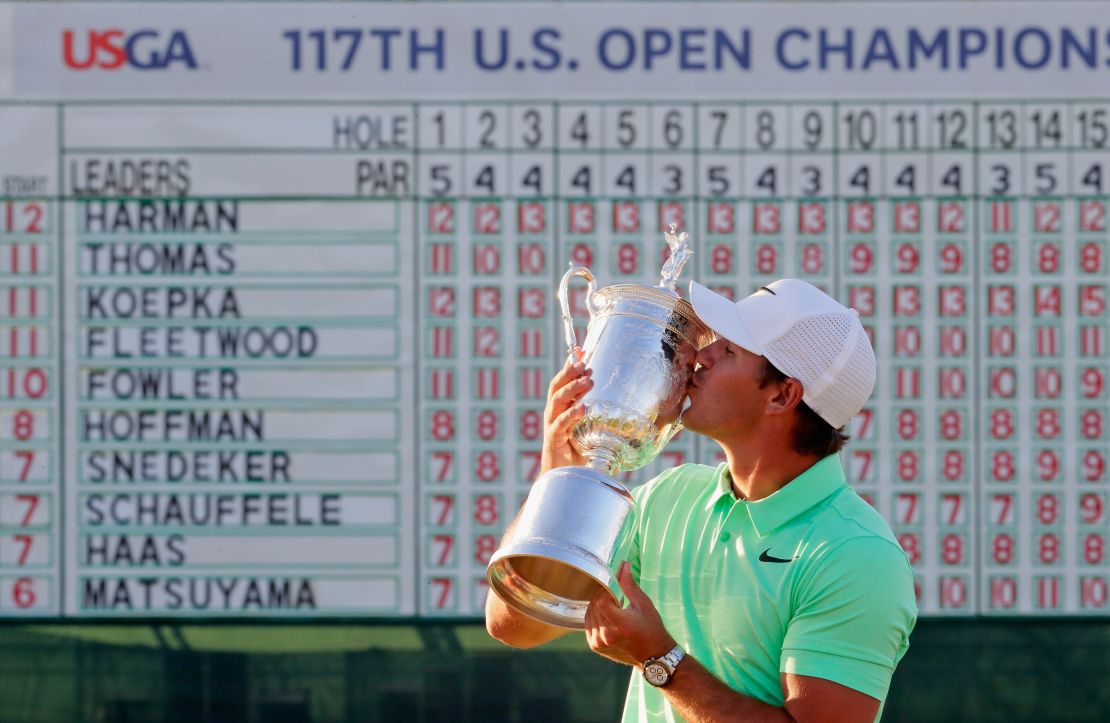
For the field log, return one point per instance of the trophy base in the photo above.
(569, 541)
(549, 584)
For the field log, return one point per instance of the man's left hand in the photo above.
(628, 635)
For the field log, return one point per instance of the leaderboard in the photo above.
(290, 360)
(238, 427)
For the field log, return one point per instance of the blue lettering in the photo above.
(968, 49)
(539, 42)
(1070, 42)
(741, 53)
(386, 35)
(1020, 47)
(926, 50)
(880, 51)
(825, 48)
(780, 48)
(435, 48)
(177, 50)
(150, 60)
(479, 49)
(657, 43)
(629, 48)
(690, 42)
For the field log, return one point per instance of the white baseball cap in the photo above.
(806, 334)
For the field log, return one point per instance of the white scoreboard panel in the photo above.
(277, 306)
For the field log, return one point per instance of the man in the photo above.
(763, 589)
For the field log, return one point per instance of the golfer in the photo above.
(763, 589)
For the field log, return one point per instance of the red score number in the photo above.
(952, 466)
(1048, 548)
(1048, 509)
(23, 593)
(720, 259)
(441, 589)
(628, 258)
(1090, 258)
(952, 549)
(24, 383)
(951, 258)
(861, 258)
(484, 547)
(581, 255)
(23, 463)
(1093, 463)
(486, 510)
(487, 466)
(441, 508)
(812, 259)
(907, 259)
(1094, 549)
(1091, 505)
(766, 259)
(24, 217)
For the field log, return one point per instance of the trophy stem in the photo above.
(602, 460)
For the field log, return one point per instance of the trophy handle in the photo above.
(564, 302)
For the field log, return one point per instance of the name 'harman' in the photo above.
(166, 215)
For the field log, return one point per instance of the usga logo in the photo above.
(111, 49)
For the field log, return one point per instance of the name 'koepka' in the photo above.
(159, 302)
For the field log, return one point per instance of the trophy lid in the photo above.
(680, 254)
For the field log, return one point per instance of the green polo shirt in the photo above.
(808, 581)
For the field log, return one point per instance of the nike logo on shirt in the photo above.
(764, 557)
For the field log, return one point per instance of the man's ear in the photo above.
(787, 397)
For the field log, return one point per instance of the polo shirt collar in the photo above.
(722, 485)
(800, 494)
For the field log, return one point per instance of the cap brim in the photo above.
(720, 314)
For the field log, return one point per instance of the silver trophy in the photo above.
(577, 523)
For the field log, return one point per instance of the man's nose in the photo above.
(707, 354)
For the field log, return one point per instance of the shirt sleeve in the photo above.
(853, 616)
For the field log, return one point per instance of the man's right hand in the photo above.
(562, 412)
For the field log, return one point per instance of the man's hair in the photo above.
(812, 435)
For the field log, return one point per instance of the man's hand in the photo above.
(628, 635)
(561, 414)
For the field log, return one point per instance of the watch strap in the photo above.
(673, 657)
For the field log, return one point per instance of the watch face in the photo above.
(656, 674)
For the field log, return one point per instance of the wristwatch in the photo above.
(659, 671)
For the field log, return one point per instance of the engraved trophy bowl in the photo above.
(577, 524)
